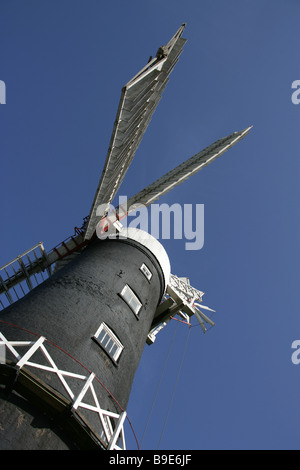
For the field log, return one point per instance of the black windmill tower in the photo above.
(70, 344)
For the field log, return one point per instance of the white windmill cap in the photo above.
(152, 244)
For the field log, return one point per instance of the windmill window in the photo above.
(146, 271)
(131, 299)
(109, 342)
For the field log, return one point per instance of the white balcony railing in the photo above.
(111, 425)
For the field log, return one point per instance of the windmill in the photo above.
(75, 318)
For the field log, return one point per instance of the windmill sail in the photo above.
(139, 99)
(178, 175)
(182, 172)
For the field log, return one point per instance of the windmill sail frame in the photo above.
(139, 99)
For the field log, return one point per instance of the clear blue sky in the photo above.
(64, 63)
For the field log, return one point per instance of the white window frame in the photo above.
(131, 299)
(109, 337)
(146, 271)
